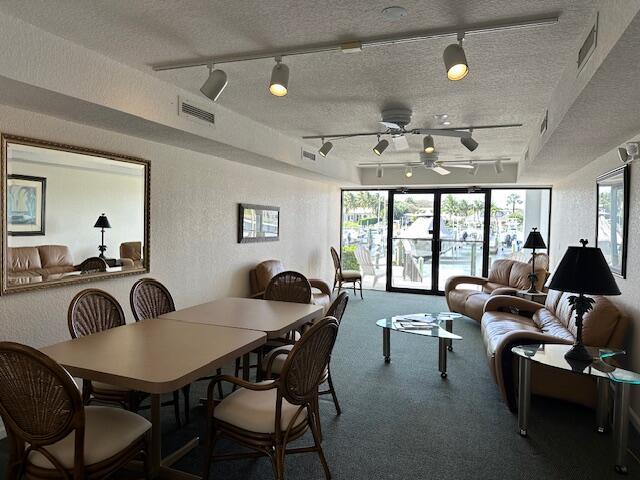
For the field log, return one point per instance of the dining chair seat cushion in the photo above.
(107, 387)
(255, 411)
(108, 431)
(351, 275)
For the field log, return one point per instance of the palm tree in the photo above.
(513, 199)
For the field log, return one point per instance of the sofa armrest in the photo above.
(453, 282)
(497, 302)
(504, 291)
(320, 285)
(505, 375)
(259, 295)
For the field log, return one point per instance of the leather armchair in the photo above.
(261, 275)
(505, 278)
(131, 254)
(509, 321)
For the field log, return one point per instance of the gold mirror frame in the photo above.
(85, 277)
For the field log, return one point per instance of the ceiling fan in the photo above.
(428, 161)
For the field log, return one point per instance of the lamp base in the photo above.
(533, 278)
(579, 353)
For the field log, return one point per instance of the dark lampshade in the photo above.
(102, 222)
(584, 270)
(535, 240)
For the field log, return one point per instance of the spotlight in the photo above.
(469, 142)
(408, 172)
(623, 155)
(428, 145)
(379, 171)
(475, 169)
(215, 84)
(325, 148)
(279, 85)
(498, 166)
(455, 61)
(381, 147)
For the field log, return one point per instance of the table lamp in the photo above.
(534, 241)
(583, 270)
(102, 223)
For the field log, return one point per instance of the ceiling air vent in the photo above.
(308, 155)
(588, 46)
(188, 110)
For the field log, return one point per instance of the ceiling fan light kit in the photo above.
(428, 144)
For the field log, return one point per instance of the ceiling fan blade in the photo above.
(454, 165)
(400, 142)
(391, 125)
(440, 170)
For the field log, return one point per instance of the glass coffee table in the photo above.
(604, 373)
(436, 325)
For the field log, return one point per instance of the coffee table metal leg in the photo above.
(621, 424)
(442, 357)
(524, 395)
(448, 326)
(602, 414)
(386, 344)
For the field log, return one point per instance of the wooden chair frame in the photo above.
(338, 279)
(19, 465)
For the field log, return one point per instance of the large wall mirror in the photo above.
(70, 214)
(612, 220)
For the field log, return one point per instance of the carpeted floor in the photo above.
(402, 421)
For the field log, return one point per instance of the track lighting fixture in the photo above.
(279, 85)
(469, 142)
(498, 166)
(379, 171)
(475, 169)
(428, 144)
(408, 171)
(215, 83)
(380, 147)
(455, 61)
(325, 148)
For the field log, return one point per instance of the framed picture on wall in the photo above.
(26, 200)
(612, 219)
(258, 223)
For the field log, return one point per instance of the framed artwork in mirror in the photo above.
(26, 200)
(258, 223)
(612, 218)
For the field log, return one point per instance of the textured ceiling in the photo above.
(512, 73)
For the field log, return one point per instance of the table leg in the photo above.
(448, 326)
(442, 357)
(602, 413)
(246, 365)
(386, 344)
(621, 424)
(156, 436)
(524, 395)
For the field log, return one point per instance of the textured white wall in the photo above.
(574, 217)
(194, 251)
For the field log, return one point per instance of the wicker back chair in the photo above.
(289, 287)
(337, 308)
(344, 276)
(40, 405)
(93, 264)
(281, 410)
(92, 311)
(150, 299)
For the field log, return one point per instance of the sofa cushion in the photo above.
(474, 306)
(495, 325)
(500, 272)
(519, 275)
(23, 259)
(457, 298)
(52, 256)
(549, 324)
(265, 271)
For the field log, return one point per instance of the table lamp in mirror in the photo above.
(534, 242)
(102, 223)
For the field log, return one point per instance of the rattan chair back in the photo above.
(93, 311)
(39, 401)
(337, 308)
(149, 299)
(305, 367)
(289, 287)
(336, 261)
(93, 264)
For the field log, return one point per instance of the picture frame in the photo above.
(258, 223)
(26, 203)
(612, 218)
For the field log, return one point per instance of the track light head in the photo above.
(379, 171)
(325, 148)
(279, 84)
(381, 147)
(408, 171)
(474, 170)
(623, 155)
(499, 167)
(469, 142)
(455, 61)
(215, 84)
(428, 145)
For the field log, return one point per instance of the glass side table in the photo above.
(605, 374)
(436, 325)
